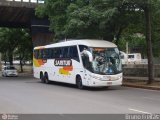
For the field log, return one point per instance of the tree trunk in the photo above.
(147, 12)
(5, 59)
(10, 55)
(118, 34)
(21, 65)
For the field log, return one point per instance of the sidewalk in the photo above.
(138, 78)
(140, 82)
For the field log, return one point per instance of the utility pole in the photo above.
(0, 61)
(126, 47)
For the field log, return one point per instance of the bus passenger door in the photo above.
(86, 59)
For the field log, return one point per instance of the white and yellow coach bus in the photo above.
(93, 63)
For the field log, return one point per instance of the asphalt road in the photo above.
(27, 95)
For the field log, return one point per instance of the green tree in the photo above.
(84, 18)
(96, 19)
(15, 40)
(145, 6)
(56, 11)
(8, 41)
(24, 48)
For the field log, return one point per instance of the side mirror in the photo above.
(121, 55)
(90, 56)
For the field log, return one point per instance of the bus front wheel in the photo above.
(79, 82)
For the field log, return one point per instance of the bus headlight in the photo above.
(111, 78)
(106, 78)
(96, 77)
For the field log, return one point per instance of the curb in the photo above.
(140, 86)
(25, 74)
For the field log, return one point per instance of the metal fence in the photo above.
(31, 1)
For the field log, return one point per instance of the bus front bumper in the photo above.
(100, 83)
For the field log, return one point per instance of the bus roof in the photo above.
(87, 42)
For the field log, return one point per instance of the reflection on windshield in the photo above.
(106, 61)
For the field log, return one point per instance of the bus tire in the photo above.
(79, 82)
(46, 78)
(107, 87)
(42, 77)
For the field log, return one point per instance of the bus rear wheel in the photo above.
(46, 78)
(42, 77)
(79, 82)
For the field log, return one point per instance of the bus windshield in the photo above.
(105, 61)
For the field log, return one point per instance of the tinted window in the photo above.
(62, 52)
(52, 53)
(35, 54)
(40, 54)
(58, 52)
(45, 53)
(73, 53)
(65, 52)
(81, 47)
(10, 68)
(130, 56)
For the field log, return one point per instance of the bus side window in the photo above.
(56, 53)
(81, 47)
(45, 53)
(35, 54)
(65, 52)
(49, 54)
(73, 53)
(52, 53)
(60, 52)
(85, 58)
(39, 55)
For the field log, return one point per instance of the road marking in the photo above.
(139, 111)
(149, 98)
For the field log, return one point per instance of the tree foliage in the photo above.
(85, 18)
(105, 19)
(15, 42)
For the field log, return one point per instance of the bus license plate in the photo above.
(109, 83)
